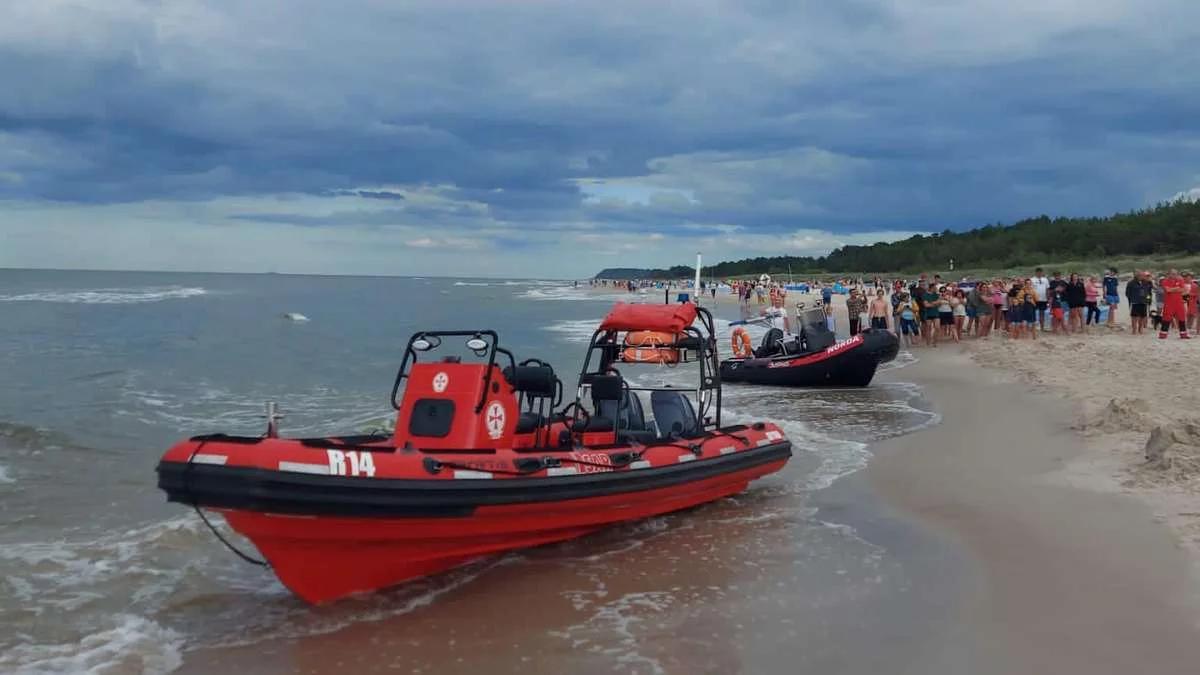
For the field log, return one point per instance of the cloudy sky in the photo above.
(538, 138)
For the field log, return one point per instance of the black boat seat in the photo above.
(673, 413)
(533, 381)
(528, 421)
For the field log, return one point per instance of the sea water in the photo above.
(102, 371)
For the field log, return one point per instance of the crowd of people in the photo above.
(928, 311)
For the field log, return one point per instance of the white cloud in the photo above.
(1192, 195)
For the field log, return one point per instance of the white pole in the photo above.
(696, 288)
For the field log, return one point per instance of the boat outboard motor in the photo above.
(770, 344)
(674, 414)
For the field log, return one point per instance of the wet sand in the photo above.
(1069, 580)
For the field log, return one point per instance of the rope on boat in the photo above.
(216, 533)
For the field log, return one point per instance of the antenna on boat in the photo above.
(273, 416)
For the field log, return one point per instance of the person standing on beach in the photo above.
(855, 306)
(980, 299)
(1174, 306)
(1137, 292)
(998, 299)
(958, 306)
(1111, 295)
(929, 315)
(1076, 299)
(907, 313)
(1091, 300)
(1191, 290)
(1041, 286)
(879, 311)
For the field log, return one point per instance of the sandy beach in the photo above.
(1087, 551)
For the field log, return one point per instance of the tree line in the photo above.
(1165, 229)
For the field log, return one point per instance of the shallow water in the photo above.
(104, 370)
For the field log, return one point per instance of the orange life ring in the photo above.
(648, 338)
(650, 355)
(741, 343)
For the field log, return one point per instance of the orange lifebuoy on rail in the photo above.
(650, 355)
(741, 343)
(649, 338)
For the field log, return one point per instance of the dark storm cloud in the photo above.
(769, 116)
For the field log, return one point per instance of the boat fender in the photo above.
(531, 464)
(620, 459)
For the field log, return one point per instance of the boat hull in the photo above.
(850, 363)
(323, 558)
(328, 536)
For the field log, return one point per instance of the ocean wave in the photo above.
(570, 294)
(205, 408)
(109, 296)
(26, 437)
(132, 644)
(4, 477)
(580, 330)
(471, 283)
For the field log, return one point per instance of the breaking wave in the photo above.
(109, 296)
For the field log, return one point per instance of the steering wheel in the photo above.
(579, 410)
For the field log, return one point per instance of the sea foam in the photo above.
(109, 296)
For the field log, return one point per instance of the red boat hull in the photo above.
(321, 558)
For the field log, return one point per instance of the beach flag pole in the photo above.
(696, 286)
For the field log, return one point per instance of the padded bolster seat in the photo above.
(536, 381)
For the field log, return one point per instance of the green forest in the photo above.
(1164, 230)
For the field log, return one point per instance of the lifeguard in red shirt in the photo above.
(1174, 307)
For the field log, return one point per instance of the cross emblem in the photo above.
(495, 419)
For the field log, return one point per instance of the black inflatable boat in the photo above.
(814, 358)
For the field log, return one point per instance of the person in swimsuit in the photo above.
(1091, 300)
(879, 311)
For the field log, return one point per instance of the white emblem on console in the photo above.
(495, 420)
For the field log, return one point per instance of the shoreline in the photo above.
(1068, 579)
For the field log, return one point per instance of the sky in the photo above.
(552, 139)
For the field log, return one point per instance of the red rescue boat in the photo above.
(481, 461)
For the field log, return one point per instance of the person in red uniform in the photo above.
(1191, 296)
(1174, 306)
